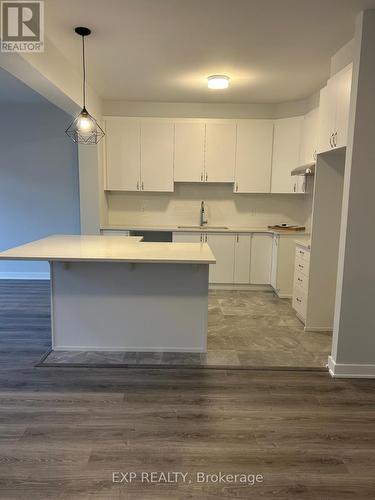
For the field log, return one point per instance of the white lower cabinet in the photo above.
(242, 256)
(222, 246)
(301, 280)
(261, 258)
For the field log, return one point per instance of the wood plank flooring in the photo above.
(64, 431)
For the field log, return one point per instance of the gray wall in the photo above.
(39, 186)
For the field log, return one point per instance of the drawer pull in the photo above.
(301, 266)
(298, 300)
(299, 279)
(301, 252)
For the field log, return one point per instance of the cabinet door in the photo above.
(182, 237)
(343, 86)
(122, 155)
(222, 246)
(242, 258)
(253, 156)
(220, 152)
(157, 156)
(274, 260)
(189, 152)
(286, 147)
(261, 256)
(309, 139)
(327, 117)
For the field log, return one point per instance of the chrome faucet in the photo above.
(203, 216)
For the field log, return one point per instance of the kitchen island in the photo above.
(119, 293)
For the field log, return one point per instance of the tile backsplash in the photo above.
(223, 207)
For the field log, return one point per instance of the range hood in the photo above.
(307, 169)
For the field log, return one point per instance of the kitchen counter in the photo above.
(119, 293)
(71, 248)
(186, 228)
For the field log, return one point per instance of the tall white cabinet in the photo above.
(253, 156)
(286, 153)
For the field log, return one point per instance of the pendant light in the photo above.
(84, 129)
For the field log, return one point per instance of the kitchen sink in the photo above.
(204, 227)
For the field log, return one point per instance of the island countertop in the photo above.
(70, 248)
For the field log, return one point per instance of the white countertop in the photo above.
(191, 229)
(69, 248)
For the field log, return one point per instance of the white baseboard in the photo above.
(225, 286)
(24, 276)
(318, 329)
(341, 370)
(127, 349)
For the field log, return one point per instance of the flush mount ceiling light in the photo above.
(84, 129)
(218, 82)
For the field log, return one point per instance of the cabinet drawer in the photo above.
(300, 280)
(299, 301)
(302, 253)
(302, 266)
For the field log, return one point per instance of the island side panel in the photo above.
(119, 306)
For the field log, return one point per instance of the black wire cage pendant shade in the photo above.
(84, 129)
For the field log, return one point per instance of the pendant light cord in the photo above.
(84, 72)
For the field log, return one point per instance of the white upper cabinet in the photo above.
(189, 152)
(286, 153)
(309, 138)
(157, 143)
(334, 111)
(261, 259)
(122, 154)
(343, 88)
(138, 155)
(253, 156)
(220, 152)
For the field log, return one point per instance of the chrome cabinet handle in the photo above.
(236, 186)
(299, 279)
(201, 238)
(315, 154)
(294, 187)
(238, 237)
(206, 238)
(137, 185)
(298, 300)
(335, 139)
(143, 187)
(201, 176)
(206, 176)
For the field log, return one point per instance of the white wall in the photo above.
(39, 193)
(353, 350)
(203, 110)
(224, 207)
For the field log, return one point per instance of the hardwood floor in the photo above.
(64, 431)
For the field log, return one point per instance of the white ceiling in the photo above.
(162, 50)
